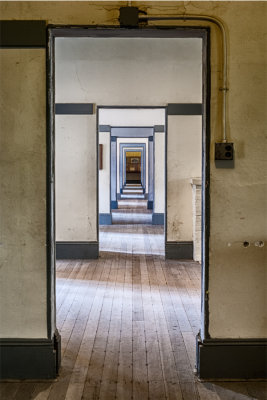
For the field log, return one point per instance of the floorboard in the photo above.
(128, 323)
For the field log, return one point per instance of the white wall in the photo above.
(131, 116)
(159, 171)
(104, 174)
(123, 71)
(76, 178)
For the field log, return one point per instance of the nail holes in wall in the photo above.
(259, 243)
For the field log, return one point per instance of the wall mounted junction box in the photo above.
(224, 151)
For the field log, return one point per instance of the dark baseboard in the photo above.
(30, 358)
(113, 204)
(76, 250)
(231, 359)
(105, 219)
(179, 250)
(158, 219)
(150, 204)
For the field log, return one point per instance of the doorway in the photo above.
(133, 145)
(170, 107)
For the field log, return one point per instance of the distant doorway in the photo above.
(133, 168)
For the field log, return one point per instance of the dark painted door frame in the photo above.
(148, 32)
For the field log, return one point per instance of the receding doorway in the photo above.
(132, 177)
(130, 279)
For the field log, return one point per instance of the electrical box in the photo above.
(224, 151)
(129, 17)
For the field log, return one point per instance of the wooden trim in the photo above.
(76, 250)
(179, 250)
(23, 34)
(100, 151)
(30, 358)
(74, 109)
(105, 219)
(157, 218)
(231, 359)
(184, 109)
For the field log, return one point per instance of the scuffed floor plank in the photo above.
(128, 323)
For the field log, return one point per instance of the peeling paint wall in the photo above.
(237, 300)
(23, 194)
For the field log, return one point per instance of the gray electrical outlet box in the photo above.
(224, 151)
(129, 17)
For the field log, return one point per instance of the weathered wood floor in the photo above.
(128, 323)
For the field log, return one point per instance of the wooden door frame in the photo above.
(55, 31)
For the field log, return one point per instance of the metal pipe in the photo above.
(219, 23)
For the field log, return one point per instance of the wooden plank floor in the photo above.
(128, 323)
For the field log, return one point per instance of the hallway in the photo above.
(128, 323)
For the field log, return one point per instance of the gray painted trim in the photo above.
(23, 34)
(150, 205)
(159, 128)
(231, 359)
(115, 31)
(30, 358)
(151, 169)
(179, 250)
(50, 186)
(105, 219)
(113, 205)
(113, 172)
(76, 250)
(74, 108)
(184, 109)
(131, 131)
(104, 128)
(158, 219)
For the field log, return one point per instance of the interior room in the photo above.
(133, 200)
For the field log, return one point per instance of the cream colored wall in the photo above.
(23, 194)
(184, 152)
(238, 203)
(104, 174)
(76, 202)
(132, 117)
(123, 71)
(159, 173)
(237, 276)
